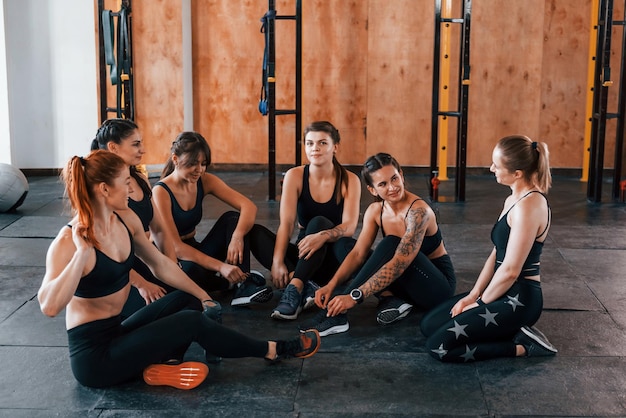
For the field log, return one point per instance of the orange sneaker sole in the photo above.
(187, 375)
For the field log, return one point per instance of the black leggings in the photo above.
(322, 264)
(135, 300)
(215, 245)
(425, 283)
(483, 332)
(110, 351)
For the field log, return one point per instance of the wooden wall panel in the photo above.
(564, 80)
(335, 71)
(157, 61)
(367, 67)
(227, 52)
(399, 79)
(506, 59)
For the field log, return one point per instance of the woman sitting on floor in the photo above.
(225, 249)
(87, 274)
(409, 267)
(496, 318)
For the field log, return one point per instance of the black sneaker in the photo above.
(327, 325)
(213, 310)
(534, 342)
(392, 309)
(308, 295)
(253, 290)
(304, 345)
(290, 304)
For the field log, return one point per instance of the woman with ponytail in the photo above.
(122, 137)
(87, 275)
(496, 318)
(323, 198)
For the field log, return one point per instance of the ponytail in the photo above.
(519, 152)
(544, 177)
(79, 195)
(81, 176)
(341, 179)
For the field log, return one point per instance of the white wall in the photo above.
(51, 68)
(5, 143)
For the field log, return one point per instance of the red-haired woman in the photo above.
(87, 274)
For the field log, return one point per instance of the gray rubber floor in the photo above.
(370, 370)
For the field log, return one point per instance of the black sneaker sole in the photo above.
(262, 296)
(537, 339)
(387, 317)
(280, 315)
(337, 329)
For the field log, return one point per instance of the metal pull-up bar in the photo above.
(600, 114)
(441, 92)
(267, 105)
(115, 45)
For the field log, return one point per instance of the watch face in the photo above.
(356, 294)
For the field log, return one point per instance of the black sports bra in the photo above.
(107, 276)
(307, 208)
(144, 210)
(185, 220)
(500, 238)
(429, 243)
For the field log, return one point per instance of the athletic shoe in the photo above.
(534, 342)
(308, 295)
(212, 358)
(392, 309)
(213, 311)
(304, 345)
(186, 375)
(327, 325)
(290, 304)
(253, 290)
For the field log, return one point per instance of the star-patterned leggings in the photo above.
(483, 332)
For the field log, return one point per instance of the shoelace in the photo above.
(291, 296)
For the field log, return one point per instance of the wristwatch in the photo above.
(356, 295)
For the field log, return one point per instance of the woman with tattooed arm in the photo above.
(409, 267)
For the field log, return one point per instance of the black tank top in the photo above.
(308, 208)
(500, 237)
(144, 210)
(429, 243)
(107, 276)
(185, 220)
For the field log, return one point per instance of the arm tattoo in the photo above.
(335, 233)
(406, 251)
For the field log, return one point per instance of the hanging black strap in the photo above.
(109, 40)
(270, 15)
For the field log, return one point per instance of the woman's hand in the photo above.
(340, 304)
(150, 292)
(280, 275)
(463, 304)
(234, 254)
(323, 295)
(309, 244)
(232, 273)
(78, 237)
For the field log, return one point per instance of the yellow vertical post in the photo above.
(591, 70)
(444, 90)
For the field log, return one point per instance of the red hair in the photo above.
(81, 176)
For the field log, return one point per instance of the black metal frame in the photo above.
(270, 90)
(463, 99)
(125, 84)
(600, 114)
